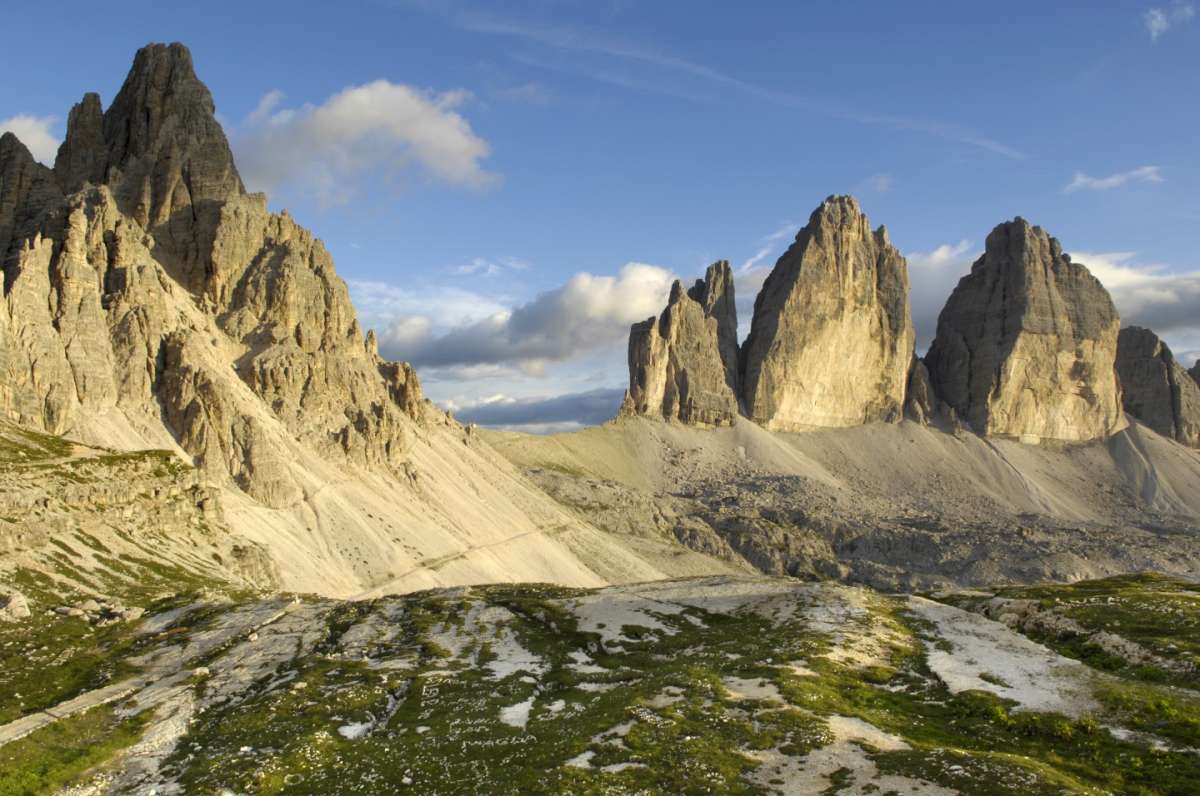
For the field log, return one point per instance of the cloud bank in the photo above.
(376, 128)
(542, 415)
(585, 313)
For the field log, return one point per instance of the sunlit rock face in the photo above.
(831, 341)
(683, 364)
(1027, 342)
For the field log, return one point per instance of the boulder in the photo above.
(1027, 342)
(13, 607)
(832, 339)
(683, 364)
(1155, 387)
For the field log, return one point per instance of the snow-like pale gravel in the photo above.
(1034, 677)
(517, 715)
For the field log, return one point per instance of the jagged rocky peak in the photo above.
(157, 301)
(683, 364)
(1155, 387)
(162, 136)
(1026, 343)
(831, 341)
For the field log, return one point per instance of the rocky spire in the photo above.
(83, 154)
(1155, 387)
(1026, 343)
(831, 341)
(683, 364)
(162, 134)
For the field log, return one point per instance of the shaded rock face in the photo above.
(1195, 372)
(27, 189)
(149, 301)
(1026, 343)
(832, 339)
(1155, 387)
(683, 364)
(920, 403)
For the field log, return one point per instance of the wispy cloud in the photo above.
(768, 245)
(379, 127)
(1084, 182)
(35, 134)
(482, 266)
(879, 183)
(1159, 21)
(569, 38)
(530, 92)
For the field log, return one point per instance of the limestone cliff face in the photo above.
(832, 339)
(148, 297)
(1155, 387)
(683, 364)
(1026, 344)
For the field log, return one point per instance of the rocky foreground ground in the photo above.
(708, 685)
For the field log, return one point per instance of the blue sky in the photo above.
(506, 188)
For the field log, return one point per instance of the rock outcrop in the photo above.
(1155, 388)
(1026, 343)
(1195, 372)
(832, 339)
(683, 364)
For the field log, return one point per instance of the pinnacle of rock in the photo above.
(1155, 387)
(832, 338)
(683, 364)
(1026, 343)
(920, 403)
(83, 155)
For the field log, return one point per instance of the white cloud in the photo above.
(1083, 182)
(1150, 295)
(34, 132)
(376, 128)
(932, 276)
(1160, 20)
(586, 313)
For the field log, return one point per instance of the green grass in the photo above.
(59, 754)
